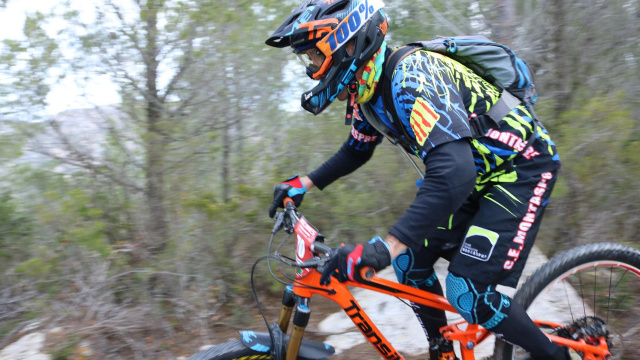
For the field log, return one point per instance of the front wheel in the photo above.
(595, 288)
(232, 350)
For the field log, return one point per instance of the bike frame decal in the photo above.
(364, 324)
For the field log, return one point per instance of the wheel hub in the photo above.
(591, 329)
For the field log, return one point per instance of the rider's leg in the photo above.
(481, 304)
(493, 251)
(415, 268)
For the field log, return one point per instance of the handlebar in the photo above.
(317, 246)
(293, 217)
(321, 247)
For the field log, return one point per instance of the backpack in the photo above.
(494, 62)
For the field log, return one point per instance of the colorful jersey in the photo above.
(434, 97)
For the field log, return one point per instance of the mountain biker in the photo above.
(471, 210)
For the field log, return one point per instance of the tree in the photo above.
(162, 54)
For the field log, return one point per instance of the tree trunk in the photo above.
(226, 153)
(157, 231)
(506, 22)
(560, 68)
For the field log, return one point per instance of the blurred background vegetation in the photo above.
(138, 222)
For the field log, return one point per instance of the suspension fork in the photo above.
(288, 301)
(300, 321)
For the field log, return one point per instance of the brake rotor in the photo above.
(591, 329)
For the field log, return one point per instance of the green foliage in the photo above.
(76, 219)
(15, 231)
(595, 139)
(11, 147)
(596, 198)
(66, 349)
(27, 63)
(35, 267)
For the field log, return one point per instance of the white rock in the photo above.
(26, 348)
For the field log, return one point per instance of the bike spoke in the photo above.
(566, 291)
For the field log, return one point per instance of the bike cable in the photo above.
(279, 258)
(290, 262)
(255, 295)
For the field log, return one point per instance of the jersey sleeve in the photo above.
(428, 101)
(449, 179)
(354, 152)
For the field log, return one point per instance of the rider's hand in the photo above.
(348, 259)
(293, 187)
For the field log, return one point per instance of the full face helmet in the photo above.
(326, 26)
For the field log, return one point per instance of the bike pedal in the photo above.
(448, 356)
(441, 349)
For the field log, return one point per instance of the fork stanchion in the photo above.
(288, 301)
(300, 321)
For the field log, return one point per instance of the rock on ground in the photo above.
(26, 348)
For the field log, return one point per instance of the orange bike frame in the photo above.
(307, 284)
(467, 335)
(340, 294)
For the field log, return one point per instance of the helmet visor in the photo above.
(313, 60)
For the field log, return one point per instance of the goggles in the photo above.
(313, 60)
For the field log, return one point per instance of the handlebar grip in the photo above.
(288, 201)
(367, 272)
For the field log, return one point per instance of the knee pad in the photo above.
(477, 303)
(404, 266)
(462, 297)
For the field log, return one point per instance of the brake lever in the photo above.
(313, 263)
(279, 219)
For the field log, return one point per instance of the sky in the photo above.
(67, 94)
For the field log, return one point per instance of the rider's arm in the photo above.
(355, 152)
(308, 183)
(450, 177)
(342, 163)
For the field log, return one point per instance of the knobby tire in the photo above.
(596, 280)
